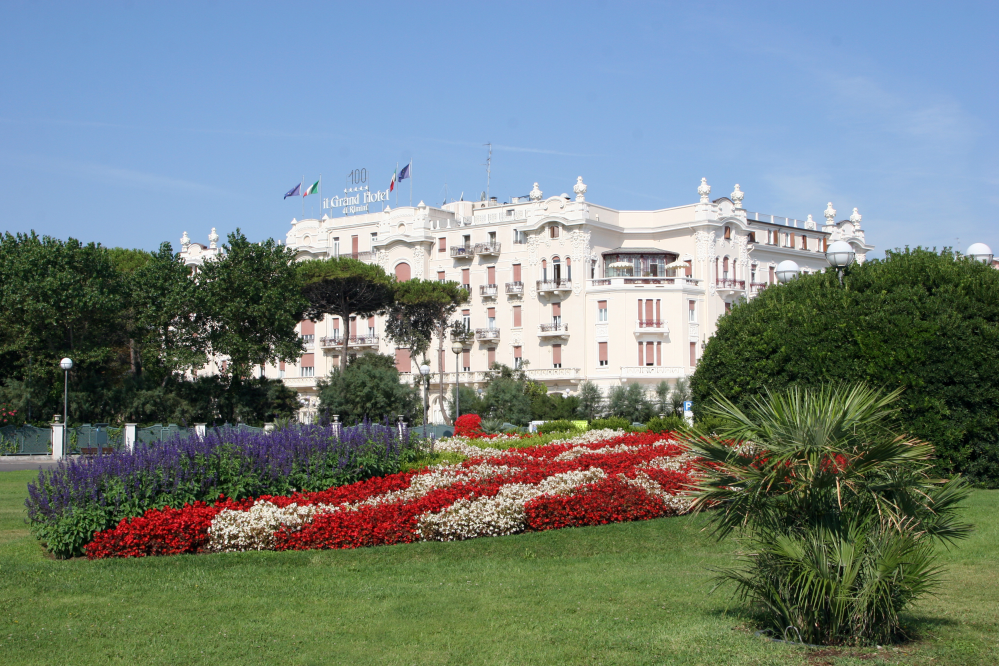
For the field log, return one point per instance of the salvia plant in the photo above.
(69, 503)
(838, 517)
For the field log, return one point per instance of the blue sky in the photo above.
(129, 122)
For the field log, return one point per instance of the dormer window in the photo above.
(553, 231)
(728, 233)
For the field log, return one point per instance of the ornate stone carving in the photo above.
(213, 239)
(580, 189)
(185, 242)
(704, 190)
(830, 214)
(601, 332)
(419, 258)
(383, 259)
(579, 242)
(533, 245)
(741, 247)
(855, 218)
(810, 223)
(535, 193)
(737, 196)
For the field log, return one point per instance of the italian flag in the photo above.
(312, 189)
(392, 184)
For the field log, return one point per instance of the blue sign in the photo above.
(688, 405)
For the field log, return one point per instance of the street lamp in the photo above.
(66, 364)
(786, 271)
(424, 371)
(840, 255)
(980, 252)
(457, 346)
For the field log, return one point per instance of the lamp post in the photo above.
(457, 346)
(980, 252)
(786, 271)
(840, 255)
(424, 372)
(66, 364)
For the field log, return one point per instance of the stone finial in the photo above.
(535, 193)
(213, 239)
(704, 190)
(830, 214)
(855, 218)
(737, 196)
(810, 223)
(185, 242)
(580, 189)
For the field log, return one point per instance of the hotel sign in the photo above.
(356, 195)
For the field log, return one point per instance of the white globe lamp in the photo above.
(980, 252)
(840, 255)
(786, 271)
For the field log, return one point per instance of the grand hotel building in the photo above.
(568, 289)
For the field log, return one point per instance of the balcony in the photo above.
(642, 283)
(515, 288)
(487, 249)
(462, 251)
(651, 326)
(757, 287)
(650, 372)
(369, 341)
(487, 334)
(554, 286)
(553, 330)
(735, 285)
(541, 374)
(488, 291)
(299, 382)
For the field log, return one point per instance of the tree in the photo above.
(923, 321)
(423, 310)
(662, 392)
(369, 388)
(344, 287)
(590, 400)
(679, 395)
(251, 303)
(838, 510)
(630, 402)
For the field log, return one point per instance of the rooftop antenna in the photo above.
(489, 168)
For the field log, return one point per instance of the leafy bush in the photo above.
(671, 423)
(839, 513)
(468, 425)
(70, 502)
(918, 320)
(709, 425)
(611, 422)
(369, 389)
(630, 403)
(562, 425)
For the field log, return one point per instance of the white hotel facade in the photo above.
(568, 289)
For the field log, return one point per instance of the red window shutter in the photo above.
(601, 305)
(442, 360)
(771, 275)
(516, 316)
(353, 326)
(465, 276)
(336, 323)
(281, 365)
(693, 353)
(440, 276)
(353, 244)
(371, 322)
(659, 353)
(465, 313)
(403, 362)
(792, 241)
(659, 313)
(601, 351)
(650, 353)
(557, 354)
(641, 353)
(518, 352)
(403, 272)
(492, 356)
(689, 270)
(466, 356)
(516, 272)
(648, 309)
(491, 275)
(490, 312)
(556, 309)
(442, 244)
(308, 327)
(308, 360)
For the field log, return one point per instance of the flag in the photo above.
(392, 183)
(404, 174)
(293, 192)
(311, 189)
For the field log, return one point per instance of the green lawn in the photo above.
(620, 594)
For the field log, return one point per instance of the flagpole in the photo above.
(301, 193)
(410, 182)
(397, 182)
(320, 194)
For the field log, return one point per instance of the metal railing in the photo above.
(553, 328)
(488, 290)
(650, 323)
(554, 285)
(352, 340)
(515, 287)
(462, 251)
(726, 283)
(487, 334)
(487, 248)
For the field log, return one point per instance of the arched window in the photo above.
(403, 272)
(556, 269)
(728, 233)
(544, 270)
(568, 268)
(725, 268)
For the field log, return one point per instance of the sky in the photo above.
(128, 123)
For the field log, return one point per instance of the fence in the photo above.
(94, 439)
(27, 440)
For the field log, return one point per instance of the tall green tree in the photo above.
(369, 388)
(922, 321)
(590, 400)
(344, 287)
(251, 302)
(423, 309)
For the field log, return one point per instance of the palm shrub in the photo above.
(838, 516)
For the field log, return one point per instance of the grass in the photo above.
(619, 594)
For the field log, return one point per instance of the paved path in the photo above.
(15, 463)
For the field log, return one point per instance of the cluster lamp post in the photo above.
(457, 346)
(66, 364)
(424, 372)
(840, 255)
(980, 252)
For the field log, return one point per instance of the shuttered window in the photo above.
(403, 362)
(516, 273)
(516, 316)
(556, 356)
(602, 353)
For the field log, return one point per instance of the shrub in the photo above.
(468, 425)
(669, 423)
(611, 422)
(838, 512)
(918, 320)
(70, 502)
(369, 389)
(556, 426)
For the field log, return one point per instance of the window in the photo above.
(804, 242)
(492, 237)
(568, 269)
(308, 331)
(491, 275)
(602, 353)
(601, 310)
(442, 244)
(557, 314)
(403, 272)
(466, 240)
(374, 239)
(465, 278)
(752, 236)
(693, 353)
(466, 362)
(593, 269)
(518, 361)
(553, 231)
(516, 316)
(354, 246)
(516, 273)
(692, 311)
(491, 353)
(336, 246)
(308, 371)
(519, 237)
(491, 318)
(752, 273)
(544, 270)
(556, 269)
(725, 268)
(771, 275)
(466, 320)
(371, 326)
(509, 212)
(280, 370)
(440, 276)
(650, 353)
(728, 307)
(689, 271)
(403, 362)
(728, 233)
(307, 365)
(556, 356)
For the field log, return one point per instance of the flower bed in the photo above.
(596, 478)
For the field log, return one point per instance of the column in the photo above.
(200, 430)
(130, 433)
(58, 438)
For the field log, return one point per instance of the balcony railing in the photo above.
(757, 286)
(555, 328)
(628, 281)
(487, 334)
(488, 290)
(333, 342)
(487, 248)
(651, 323)
(462, 251)
(554, 285)
(515, 287)
(725, 283)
